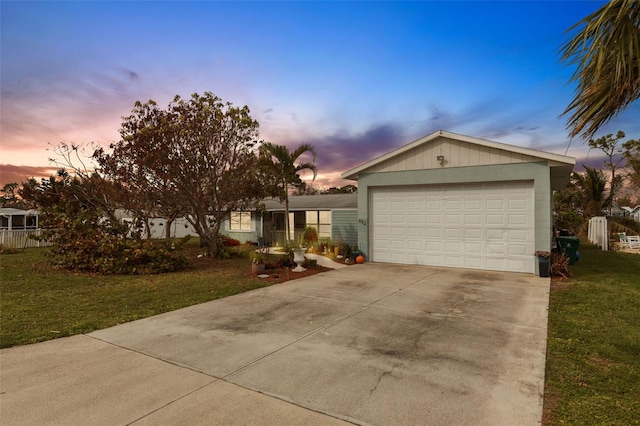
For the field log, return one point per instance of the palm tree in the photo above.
(606, 51)
(592, 186)
(279, 160)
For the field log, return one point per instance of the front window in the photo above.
(240, 221)
(321, 220)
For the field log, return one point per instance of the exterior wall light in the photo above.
(440, 159)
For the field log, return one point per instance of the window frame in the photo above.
(240, 228)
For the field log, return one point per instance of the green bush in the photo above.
(113, 255)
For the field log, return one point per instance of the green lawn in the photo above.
(38, 303)
(593, 354)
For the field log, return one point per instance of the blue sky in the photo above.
(356, 79)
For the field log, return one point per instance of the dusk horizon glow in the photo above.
(355, 79)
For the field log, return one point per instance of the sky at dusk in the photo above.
(355, 79)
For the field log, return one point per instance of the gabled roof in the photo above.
(314, 202)
(555, 160)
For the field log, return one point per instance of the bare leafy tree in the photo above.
(194, 158)
(631, 151)
(606, 53)
(10, 197)
(609, 145)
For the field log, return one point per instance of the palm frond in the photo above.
(606, 53)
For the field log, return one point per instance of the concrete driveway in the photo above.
(372, 344)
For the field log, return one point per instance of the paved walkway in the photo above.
(368, 344)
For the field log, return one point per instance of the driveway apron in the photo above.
(376, 344)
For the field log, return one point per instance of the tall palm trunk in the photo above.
(287, 225)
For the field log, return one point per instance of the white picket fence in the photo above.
(599, 232)
(21, 238)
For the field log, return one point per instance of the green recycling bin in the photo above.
(569, 247)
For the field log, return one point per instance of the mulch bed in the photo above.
(276, 275)
(281, 275)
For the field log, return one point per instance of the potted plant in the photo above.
(310, 236)
(258, 261)
(544, 262)
(298, 258)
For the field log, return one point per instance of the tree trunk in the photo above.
(147, 228)
(167, 229)
(211, 240)
(287, 225)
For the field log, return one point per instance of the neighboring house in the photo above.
(616, 210)
(334, 216)
(18, 220)
(157, 225)
(16, 227)
(459, 201)
(625, 211)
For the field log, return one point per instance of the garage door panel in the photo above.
(397, 244)
(453, 247)
(472, 205)
(517, 219)
(415, 245)
(472, 219)
(517, 265)
(453, 219)
(453, 205)
(473, 248)
(398, 219)
(414, 219)
(495, 234)
(493, 249)
(495, 204)
(433, 205)
(453, 233)
(454, 261)
(521, 205)
(485, 226)
(435, 233)
(518, 250)
(434, 247)
(496, 264)
(433, 219)
(495, 219)
(517, 235)
(473, 234)
(474, 262)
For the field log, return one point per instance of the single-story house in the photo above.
(632, 212)
(17, 219)
(458, 201)
(334, 216)
(16, 227)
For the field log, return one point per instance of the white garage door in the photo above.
(479, 226)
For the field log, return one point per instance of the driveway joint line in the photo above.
(171, 402)
(156, 357)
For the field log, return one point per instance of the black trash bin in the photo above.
(569, 247)
(544, 267)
